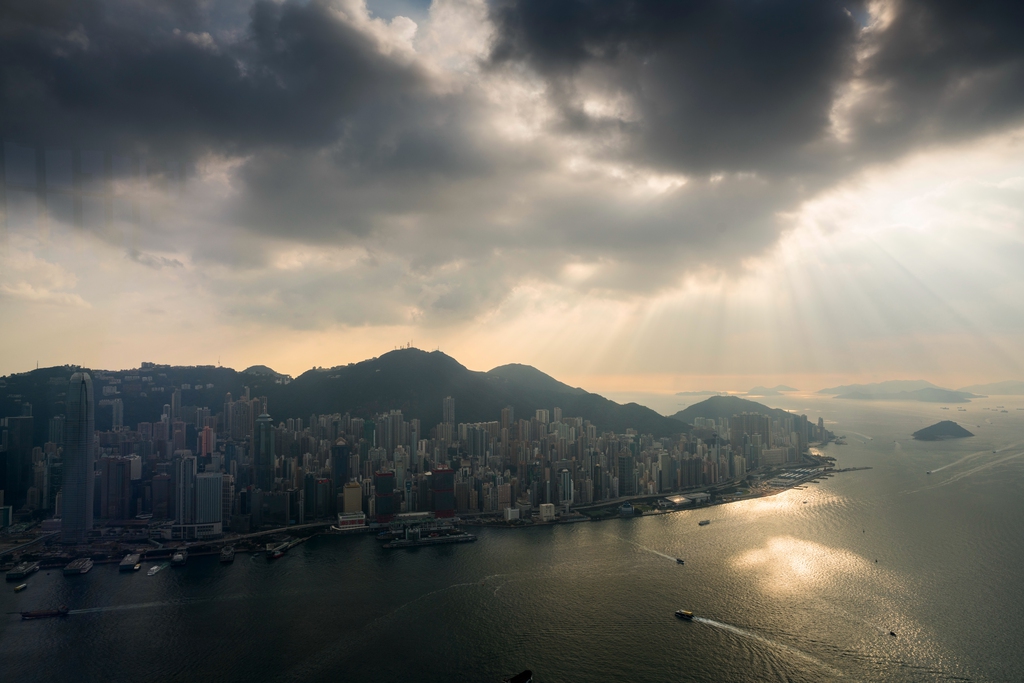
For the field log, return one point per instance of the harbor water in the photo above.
(802, 586)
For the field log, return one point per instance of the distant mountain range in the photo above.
(890, 387)
(413, 381)
(900, 390)
(1008, 388)
(699, 393)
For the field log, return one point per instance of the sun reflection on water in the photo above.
(786, 564)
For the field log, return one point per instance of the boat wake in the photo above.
(655, 552)
(977, 454)
(966, 473)
(770, 643)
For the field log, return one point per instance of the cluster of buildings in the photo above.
(197, 472)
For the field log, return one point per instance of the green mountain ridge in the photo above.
(413, 381)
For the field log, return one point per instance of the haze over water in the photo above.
(783, 589)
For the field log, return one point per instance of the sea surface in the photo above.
(802, 586)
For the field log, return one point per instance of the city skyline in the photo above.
(469, 185)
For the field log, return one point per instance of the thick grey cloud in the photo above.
(942, 69)
(167, 78)
(735, 85)
(726, 85)
(332, 139)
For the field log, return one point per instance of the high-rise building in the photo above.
(19, 468)
(384, 495)
(209, 497)
(185, 508)
(264, 459)
(79, 430)
(56, 431)
(115, 487)
(449, 410)
(353, 497)
(627, 478)
(117, 409)
(442, 481)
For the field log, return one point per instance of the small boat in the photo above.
(704, 522)
(137, 567)
(227, 554)
(684, 614)
(521, 677)
(18, 589)
(154, 569)
(892, 633)
(61, 611)
(679, 560)
(929, 472)
(179, 558)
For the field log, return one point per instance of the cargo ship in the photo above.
(227, 554)
(80, 566)
(179, 558)
(129, 562)
(61, 611)
(22, 571)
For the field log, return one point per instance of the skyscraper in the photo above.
(79, 433)
(263, 457)
(19, 459)
(449, 410)
(186, 488)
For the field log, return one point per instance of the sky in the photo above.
(630, 196)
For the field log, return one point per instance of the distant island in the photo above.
(900, 390)
(769, 391)
(940, 431)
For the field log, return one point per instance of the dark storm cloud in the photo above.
(327, 138)
(725, 85)
(162, 77)
(738, 85)
(943, 69)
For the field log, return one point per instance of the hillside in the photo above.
(416, 383)
(726, 406)
(940, 431)
(410, 380)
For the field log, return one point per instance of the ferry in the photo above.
(684, 614)
(129, 562)
(154, 569)
(80, 566)
(22, 570)
(704, 522)
(227, 554)
(18, 589)
(179, 558)
(61, 611)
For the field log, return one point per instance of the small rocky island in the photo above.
(947, 429)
